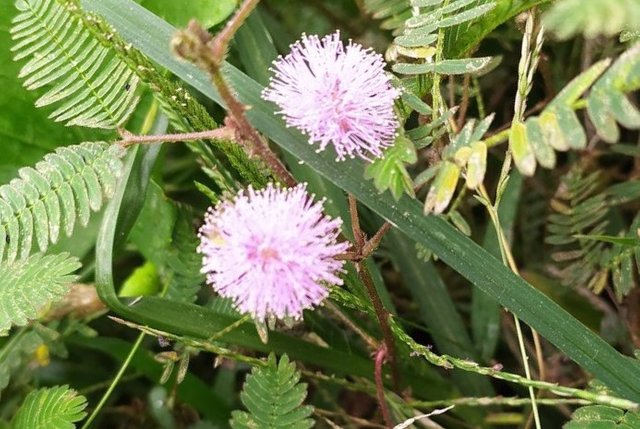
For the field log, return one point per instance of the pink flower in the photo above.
(336, 94)
(271, 251)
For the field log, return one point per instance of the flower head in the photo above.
(271, 251)
(336, 94)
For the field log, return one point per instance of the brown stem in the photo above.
(381, 354)
(358, 236)
(381, 313)
(373, 243)
(129, 139)
(258, 145)
(224, 37)
(197, 45)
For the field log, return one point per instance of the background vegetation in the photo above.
(512, 194)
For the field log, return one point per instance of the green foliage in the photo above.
(274, 397)
(208, 13)
(465, 151)
(26, 134)
(603, 417)
(51, 408)
(393, 13)
(420, 36)
(94, 88)
(390, 171)
(576, 229)
(567, 18)
(558, 127)
(27, 286)
(16, 352)
(484, 271)
(62, 188)
(165, 235)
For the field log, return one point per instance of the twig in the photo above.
(129, 139)
(381, 354)
(381, 313)
(370, 341)
(197, 45)
(372, 244)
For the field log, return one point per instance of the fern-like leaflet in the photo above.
(420, 36)
(14, 354)
(274, 397)
(94, 88)
(27, 286)
(50, 408)
(558, 128)
(602, 416)
(577, 227)
(62, 188)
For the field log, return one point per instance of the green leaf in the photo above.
(602, 417)
(607, 103)
(207, 12)
(28, 286)
(16, 353)
(567, 18)
(484, 271)
(390, 171)
(62, 189)
(448, 67)
(435, 305)
(165, 236)
(462, 39)
(95, 89)
(443, 188)
(143, 281)
(522, 152)
(26, 134)
(274, 396)
(192, 390)
(51, 408)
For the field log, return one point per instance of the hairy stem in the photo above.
(381, 313)
(381, 354)
(129, 139)
(197, 45)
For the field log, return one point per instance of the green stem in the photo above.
(435, 89)
(450, 362)
(497, 400)
(498, 138)
(115, 381)
(508, 260)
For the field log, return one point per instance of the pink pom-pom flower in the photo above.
(271, 251)
(336, 94)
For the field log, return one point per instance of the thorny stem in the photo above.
(381, 313)
(381, 354)
(197, 45)
(372, 244)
